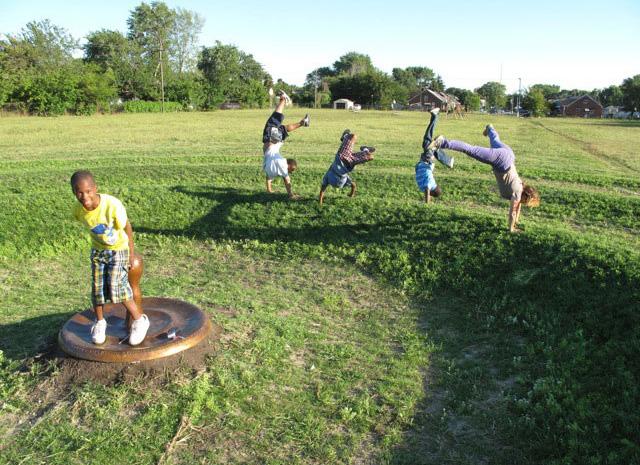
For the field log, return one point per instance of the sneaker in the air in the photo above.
(486, 130)
(305, 120)
(365, 148)
(99, 332)
(139, 330)
(283, 95)
(436, 143)
(344, 134)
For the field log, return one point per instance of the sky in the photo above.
(576, 44)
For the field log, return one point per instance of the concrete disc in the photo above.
(164, 314)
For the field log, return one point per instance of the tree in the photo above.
(112, 51)
(353, 63)
(549, 91)
(469, 99)
(232, 75)
(631, 93)
(184, 38)
(535, 102)
(150, 26)
(416, 77)
(611, 95)
(494, 94)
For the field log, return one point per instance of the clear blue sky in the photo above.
(572, 43)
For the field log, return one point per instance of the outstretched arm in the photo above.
(427, 195)
(269, 190)
(514, 214)
(287, 185)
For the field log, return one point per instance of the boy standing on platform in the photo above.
(111, 251)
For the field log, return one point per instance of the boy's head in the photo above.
(530, 196)
(437, 192)
(85, 189)
(291, 165)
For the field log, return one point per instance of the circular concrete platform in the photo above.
(164, 314)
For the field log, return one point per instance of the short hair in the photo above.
(530, 196)
(291, 162)
(436, 192)
(80, 176)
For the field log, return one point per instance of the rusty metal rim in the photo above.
(135, 354)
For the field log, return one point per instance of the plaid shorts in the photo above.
(110, 269)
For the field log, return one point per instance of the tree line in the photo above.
(157, 65)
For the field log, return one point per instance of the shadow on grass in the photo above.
(32, 337)
(574, 308)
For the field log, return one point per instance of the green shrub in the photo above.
(143, 106)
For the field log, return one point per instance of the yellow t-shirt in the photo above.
(106, 223)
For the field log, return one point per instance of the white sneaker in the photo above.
(139, 330)
(305, 120)
(283, 94)
(99, 332)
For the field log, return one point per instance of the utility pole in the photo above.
(519, 90)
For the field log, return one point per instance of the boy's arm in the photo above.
(129, 230)
(269, 190)
(287, 185)
(427, 195)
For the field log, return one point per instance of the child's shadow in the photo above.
(309, 225)
(216, 224)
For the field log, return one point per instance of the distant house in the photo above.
(342, 104)
(582, 106)
(428, 99)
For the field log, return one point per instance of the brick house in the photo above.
(428, 99)
(581, 107)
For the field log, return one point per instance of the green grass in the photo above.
(368, 330)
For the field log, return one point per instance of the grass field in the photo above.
(376, 329)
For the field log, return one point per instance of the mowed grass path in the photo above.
(368, 330)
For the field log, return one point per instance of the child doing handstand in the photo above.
(111, 254)
(345, 161)
(273, 137)
(424, 168)
(501, 158)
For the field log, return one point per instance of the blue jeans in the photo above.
(428, 137)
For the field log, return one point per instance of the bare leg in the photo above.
(132, 308)
(322, 189)
(98, 310)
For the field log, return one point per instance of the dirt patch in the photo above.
(72, 371)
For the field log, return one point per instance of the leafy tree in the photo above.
(549, 91)
(631, 93)
(535, 102)
(417, 77)
(184, 38)
(111, 50)
(611, 95)
(467, 98)
(353, 63)
(232, 75)
(150, 26)
(494, 93)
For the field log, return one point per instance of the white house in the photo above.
(342, 104)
